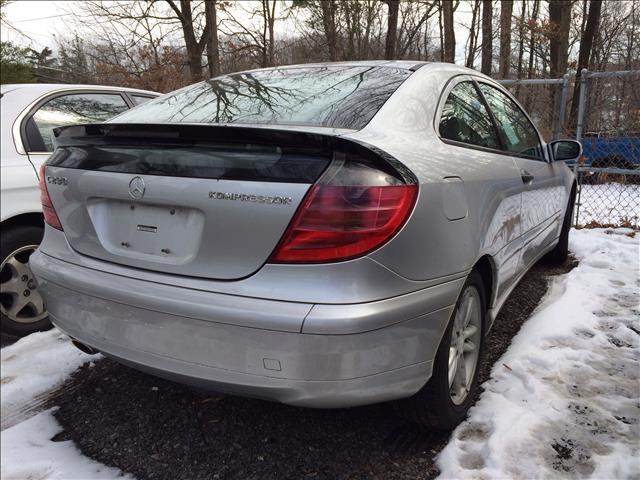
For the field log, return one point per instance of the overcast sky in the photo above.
(41, 21)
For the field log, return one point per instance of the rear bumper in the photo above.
(296, 353)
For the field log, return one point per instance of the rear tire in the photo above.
(17, 284)
(435, 406)
(560, 253)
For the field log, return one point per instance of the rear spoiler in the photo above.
(290, 141)
(184, 134)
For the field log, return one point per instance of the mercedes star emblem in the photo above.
(136, 188)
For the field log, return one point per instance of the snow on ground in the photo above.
(31, 368)
(609, 204)
(28, 453)
(563, 402)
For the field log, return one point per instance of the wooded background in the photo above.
(162, 45)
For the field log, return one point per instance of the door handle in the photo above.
(526, 176)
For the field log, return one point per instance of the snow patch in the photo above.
(31, 368)
(564, 400)
(29, 453)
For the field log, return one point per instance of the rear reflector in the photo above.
(50, 215)
(353, 210)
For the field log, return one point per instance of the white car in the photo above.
(30, 112)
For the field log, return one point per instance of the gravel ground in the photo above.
(155, 429)
(6, 340)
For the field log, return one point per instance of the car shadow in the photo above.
(6, 340)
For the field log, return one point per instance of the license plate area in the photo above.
(155, 233)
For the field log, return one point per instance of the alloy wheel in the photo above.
(20, 300)
(464, 349)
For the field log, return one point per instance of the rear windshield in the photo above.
(328, 96)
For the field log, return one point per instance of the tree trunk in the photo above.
(349, 21)
(449, 34)
(532, 39)
(213, 52)
(473, 35)
(506, 12)
(329, 23)
(559, 24)
(193, 46)
(487, 51)
(441, 31)
(523, 15)
(392, 29)
(270, 18)
(586, 43)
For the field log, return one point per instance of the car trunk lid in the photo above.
(202, 201)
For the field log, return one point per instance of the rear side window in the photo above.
(519, 134)
(327, 96)
(465, 118)
(74, 109)
(140, 99)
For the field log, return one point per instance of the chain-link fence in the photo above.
(602, 110)
(607, 197)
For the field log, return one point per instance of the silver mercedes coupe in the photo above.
(325, 235)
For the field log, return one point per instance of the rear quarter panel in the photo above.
(431, 245)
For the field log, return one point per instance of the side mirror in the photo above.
(565, 150)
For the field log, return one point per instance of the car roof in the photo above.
(402, 64)
(42, 88)
(411, 65)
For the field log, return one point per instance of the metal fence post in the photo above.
(563, 106)
(581, 103)
(579, 127)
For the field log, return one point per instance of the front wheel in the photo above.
(444, 401)
(21, 307)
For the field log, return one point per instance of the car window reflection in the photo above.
(75, 109)
(465, 118)
(338, 97)
(519, 134)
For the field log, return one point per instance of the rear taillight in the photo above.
(353, 209)
(50, 215)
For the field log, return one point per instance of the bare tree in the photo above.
(269, 15)
(6, 23)
(392, 29)
(521, 30)
(506, 12)
(195, 47)
(487, 51)
(213, 50)
(251, 26)
(558, 33)
(415, 19)
(586, 43)
(472, 39)
(532, 38)
(329, 8)
(449, 33)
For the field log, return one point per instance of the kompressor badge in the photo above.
(242, 197)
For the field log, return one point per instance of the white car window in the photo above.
(140, 99)
(75, 109)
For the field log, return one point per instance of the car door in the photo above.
(543, 187)
(490, 176)
(62, 109)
